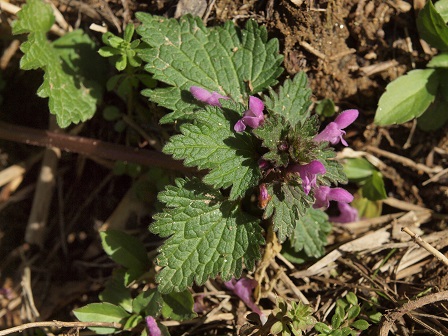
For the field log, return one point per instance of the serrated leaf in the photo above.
(334, 170)
(178, 306)
(407, 97)
(432, 28)
(310, 233)
(149, 302)
(211, 143)
(70, 96)
(207, 234)
(124, 249)
(227, 60)
(101, 312)
(287, 205)
(273, 133)
(292, 101)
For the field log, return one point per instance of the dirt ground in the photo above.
(350, 51)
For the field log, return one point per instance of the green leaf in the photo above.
(439, 61)
(353, 312)
(365, 207)
(132, 322)
(407, 97)
(310, 233)
(125, 249)
(334, 170)
(227, 60)
(322, 328)
(325, 108)
(441, 7)
(72, 98)
(116, 293)
(210, 143)
(207, 234)
(373, 188)
(360, 325)
(351, 298)
(432, 28)
(178, 306)
(101, 312)
(149, 302)
(436, 115)
(336, 321)
(287, 205)
(274, 133)
(358, 169)
(292, 101)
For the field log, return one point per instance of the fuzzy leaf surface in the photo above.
(70, 96)
(208, 235)
(273, 133)
(310, 233)
(287, 205)
(210, 143)
(227, 60)
(292, 100)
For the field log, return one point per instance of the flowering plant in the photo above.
(248, 139)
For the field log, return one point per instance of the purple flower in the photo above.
(253, 117)
(308, 174)
(153, 328)
(211, 98)
(243, 289)
(325, 194)
(333, 132)
(347, 214)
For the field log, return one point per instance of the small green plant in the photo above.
(344, 321)
(292, 319)
(422, 93)
(372, 190)
(122, 51)
(133, 309)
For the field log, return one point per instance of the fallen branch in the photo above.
(418, 240)
(389, 319)
(89, 147)
(60, 324)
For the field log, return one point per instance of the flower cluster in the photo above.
(332, 133)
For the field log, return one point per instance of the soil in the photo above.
(350, 50)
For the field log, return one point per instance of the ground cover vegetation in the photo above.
(224, 167)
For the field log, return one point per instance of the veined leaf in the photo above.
(211, 143)
(407, 97)
(227, 60)
(287, 205)
(101, 312)
(293, 99)
(208, 235)
(70, 94)
(125, 249)
(310, 233)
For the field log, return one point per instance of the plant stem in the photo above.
(89, 147)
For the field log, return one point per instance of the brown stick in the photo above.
(389, 319)
(60, 324)
(89, 147)
(418, 240)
